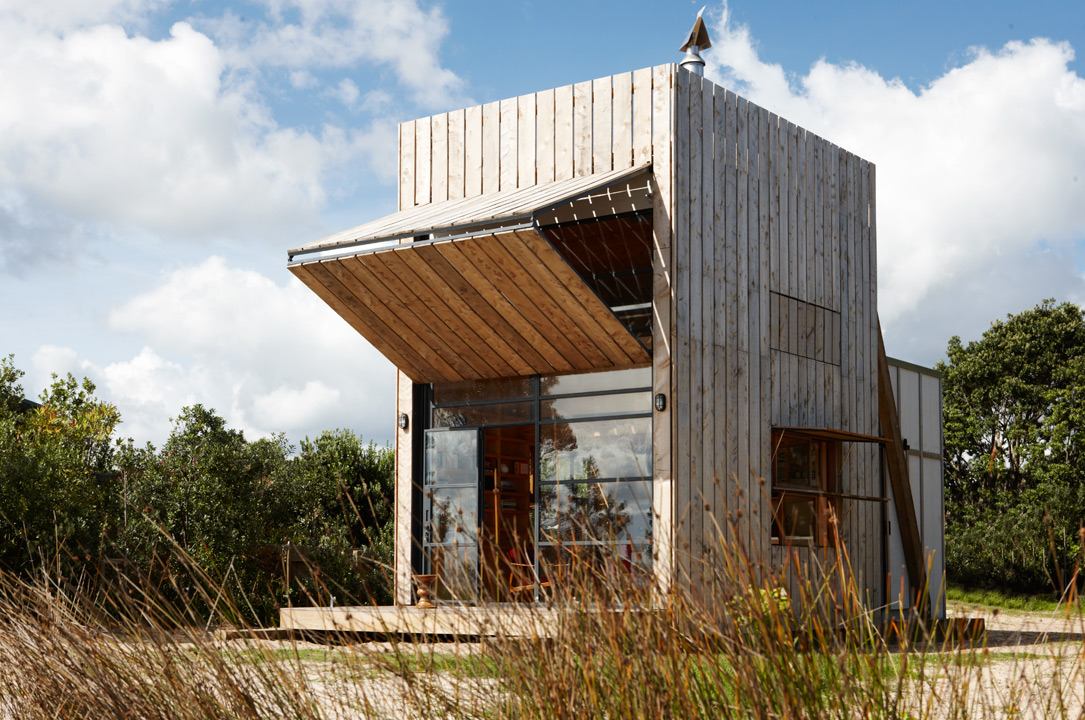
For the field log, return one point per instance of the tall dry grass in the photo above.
(605, 644)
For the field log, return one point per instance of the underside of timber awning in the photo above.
(475, 288)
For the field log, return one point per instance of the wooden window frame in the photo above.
(821, 492)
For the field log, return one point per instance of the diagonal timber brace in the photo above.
(898, 478)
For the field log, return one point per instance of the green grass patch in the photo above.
(1004, 656)
(1005, 601)
(289, 654)
(471, 666)
(411, 662)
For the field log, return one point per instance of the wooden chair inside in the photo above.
(522, 574)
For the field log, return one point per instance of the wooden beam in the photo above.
(898, 478)
(349, 307)
(492, 320)
(569, 299)
(564, 273)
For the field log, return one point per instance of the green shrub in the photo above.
(1014, 413)
(76, 502)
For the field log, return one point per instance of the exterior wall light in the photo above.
(661, 402)
(404, 421)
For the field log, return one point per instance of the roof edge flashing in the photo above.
(338, 252)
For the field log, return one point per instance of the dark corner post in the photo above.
(420, 421)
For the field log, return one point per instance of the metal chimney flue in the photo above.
(697, 41)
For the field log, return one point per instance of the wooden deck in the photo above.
(461, 621)
(538, 621)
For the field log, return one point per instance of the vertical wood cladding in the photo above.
(775, 325)
(571, 131)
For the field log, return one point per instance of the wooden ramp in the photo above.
(519, 620)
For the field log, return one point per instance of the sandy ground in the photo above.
(358, 681)
(1030, 665)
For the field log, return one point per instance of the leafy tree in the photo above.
(232, 506)
(208, 500)
(55, 472)
(1014, 411)
(11, 392)
(346, 498)
(211, 497)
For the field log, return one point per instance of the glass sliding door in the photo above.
(562, 482)
(450, 511)
(595, 476)
(595, 496)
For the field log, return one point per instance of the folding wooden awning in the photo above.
(821, 433)
(472, 288)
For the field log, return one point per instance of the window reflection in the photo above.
(588, 502)
(596, 482)
(456, 568)
(575, 407)
(512, 413)
(596, 381)
(596, 449)
(466, 391)
(794, 515)
(611, 512)
(806, 467)
(591, 567)
(451, 458)
(453, 516)
(564, 555)
(450, 520)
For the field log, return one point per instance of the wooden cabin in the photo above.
(621, 311)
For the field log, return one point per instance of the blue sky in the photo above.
(158, 158)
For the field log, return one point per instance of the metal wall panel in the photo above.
(919, 402)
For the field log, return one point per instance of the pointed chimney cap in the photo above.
(698, 36)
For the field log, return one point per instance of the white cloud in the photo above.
(30, 231)
(377, 146)
(149, 380)
(292, 407)
(346, 92)
(62, 14)
(378, 100)
(267, 357)
(401, 34)
(108, 128)
(47, 361)
(992, 290)
(104, 134)
(302, 80)
(977, 172)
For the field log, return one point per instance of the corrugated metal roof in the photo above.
(489, 212)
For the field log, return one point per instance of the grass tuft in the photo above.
(605, 643)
